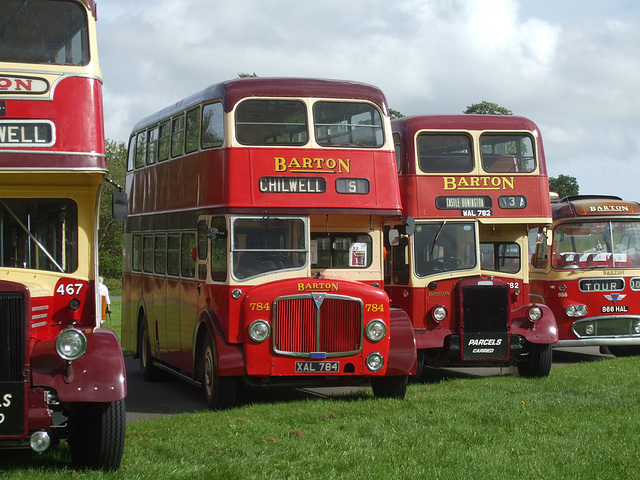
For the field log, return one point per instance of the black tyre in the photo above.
(538, 363)
(390, 387)
(98, 435)
(149, 371)
(219, 392)
(624, 350)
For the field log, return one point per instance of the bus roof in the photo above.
(232, 91)
(412, 124)
(593, 205)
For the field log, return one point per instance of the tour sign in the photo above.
(26, 133)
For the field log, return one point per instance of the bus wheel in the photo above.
(219, 392)
(624, 350)
(149, 370)
(98, 435)
(390, 387)
(538, 363)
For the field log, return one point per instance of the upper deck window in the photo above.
(444, 153)
(39, 234)
(507, 153)
(272, 122)
(347, 124)
(43, 32)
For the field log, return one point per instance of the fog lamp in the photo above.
(534, 313)
(259, 331)
(636, 326)
(71, 344)
(576, 310)
(376, 330)
(589, 329)
(39, 441)
(375, 361)
(439, 314)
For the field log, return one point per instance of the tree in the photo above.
(247, 75)
(487, 108)
(564, 185)
(395, 114)
(110, 230)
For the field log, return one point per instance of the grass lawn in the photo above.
(580, 423)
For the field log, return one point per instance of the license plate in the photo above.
(485, 346)
(317, 367)
(11, 408)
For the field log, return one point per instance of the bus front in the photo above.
(471, 187)
(60, 376)
(586, 268)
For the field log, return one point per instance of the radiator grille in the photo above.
(12, 329)
(300, 327)
(485, 309)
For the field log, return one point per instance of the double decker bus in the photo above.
(471, 187)
(586, 268)
(61, 375)
(253, 246)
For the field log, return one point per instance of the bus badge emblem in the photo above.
(614, 297)
(318, 298)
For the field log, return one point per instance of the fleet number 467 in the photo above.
(70, 289)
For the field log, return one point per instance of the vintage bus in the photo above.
(586, 268)
(253, 249)
(61, 375)
(471, 187)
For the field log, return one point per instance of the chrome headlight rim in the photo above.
(375, 361)
(71, 344)
(376, 330)
(534, 314)
(439, 313)
(259, 331)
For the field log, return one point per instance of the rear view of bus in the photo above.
(61, 377)
(586, 268)
(253, 245)
(471, 187)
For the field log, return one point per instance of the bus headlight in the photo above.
(576, 310)
(259, 331)
(534, 313)
(636, 326)
(71, 344)
(376, 330)
(375, 361)
(439, 313)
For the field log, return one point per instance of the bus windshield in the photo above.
(265, 245)
(43, 32)
(444, 247)
(39, 233)
(597, 244)
(341, 250)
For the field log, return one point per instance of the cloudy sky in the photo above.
(571, 66)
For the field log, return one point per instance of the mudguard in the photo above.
(230, 356)
(97, 376)
(403, 359)
(544, 331)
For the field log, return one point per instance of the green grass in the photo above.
(580, 423)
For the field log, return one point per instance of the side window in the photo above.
(177, 136)
(160, 254)
(212, 125)
(152, 146)
(147, 253)
(141, 149)
(401, 261)
(202, 249)
(131, 159)
(136, 261)
(397, 145)
(193, 130)
(173, 254)
(187, 262)
(219, 249)
(164, 141)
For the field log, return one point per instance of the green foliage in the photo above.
(487, 108)
(564, 185)
(247, 75)
(110, 230)
(395, 114)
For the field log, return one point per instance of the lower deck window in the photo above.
(342, 250)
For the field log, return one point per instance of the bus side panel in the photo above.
(190, 302)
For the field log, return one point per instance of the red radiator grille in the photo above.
(334, 328)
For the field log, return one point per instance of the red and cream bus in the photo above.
(61, 375)
(586, 268)
(253, 247)
(471, 186)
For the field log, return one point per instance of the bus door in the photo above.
(191, 300)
